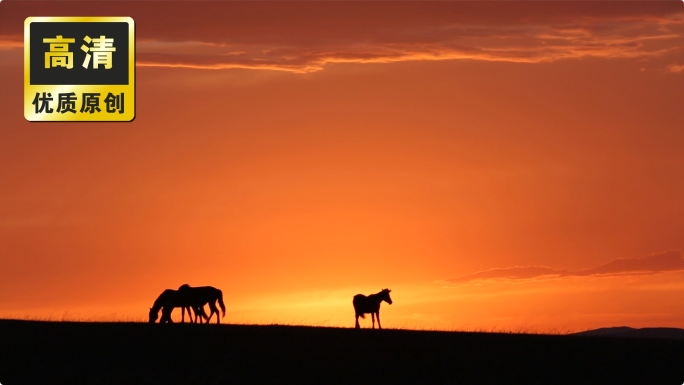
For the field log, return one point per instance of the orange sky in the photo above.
(495, 164)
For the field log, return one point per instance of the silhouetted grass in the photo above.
(76, 317)
(114, 318)
(39, 352)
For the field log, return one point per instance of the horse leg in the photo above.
(211, 312)
(357, 322)
(166, 317)
(182, 314)
(377, 315)
(214, 309)
(373, 318)
(203, 315)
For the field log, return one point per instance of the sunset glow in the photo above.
(497, 165)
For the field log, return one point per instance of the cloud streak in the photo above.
(676, 68)
(308, 36)
(538, 43)
(9, 42)
(653, 264)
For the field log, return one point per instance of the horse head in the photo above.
(385, 296)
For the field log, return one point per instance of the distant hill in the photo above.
(627, 332)
(80, 353)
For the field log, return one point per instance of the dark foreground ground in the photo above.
(130, 353)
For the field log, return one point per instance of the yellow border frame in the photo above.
(30, 90)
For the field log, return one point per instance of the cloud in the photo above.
(536, 43)
(653, 264)
(676, 68)
(9, 42)
(507, 274)
(307, 36)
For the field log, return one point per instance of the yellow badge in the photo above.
(79, 69)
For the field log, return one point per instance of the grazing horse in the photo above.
(167, 296)
(370, 304)
(196, 297)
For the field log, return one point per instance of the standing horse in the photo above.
(164, 298)
(370, 304)
(196, 297)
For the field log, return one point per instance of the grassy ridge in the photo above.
(134, 353)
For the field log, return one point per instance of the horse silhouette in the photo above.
(195, 297)
(370, 304)
(166, 298)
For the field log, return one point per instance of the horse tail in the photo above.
(357, 305)
(220, 301)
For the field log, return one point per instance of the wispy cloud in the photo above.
(9, 42)
(536, 43)
(308, 36)
(676, 68)
(653, 264)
